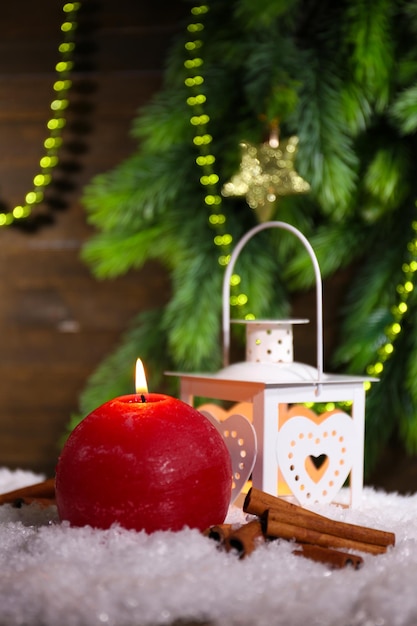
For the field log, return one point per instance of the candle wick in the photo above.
(142, 397)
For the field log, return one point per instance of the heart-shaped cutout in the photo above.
(306, 436)
(316, 466)
(240, 439)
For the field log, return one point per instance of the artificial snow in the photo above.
(52, 574)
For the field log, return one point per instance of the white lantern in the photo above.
(300, 453)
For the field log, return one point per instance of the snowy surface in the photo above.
(51, 574)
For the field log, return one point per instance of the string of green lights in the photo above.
(399, 310)
(206, 160)
(56, 122)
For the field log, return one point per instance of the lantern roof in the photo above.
(274, 375)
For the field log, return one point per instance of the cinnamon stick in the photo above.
(336, 559)
(283, 530)
(353, 532)
(258, 502)
(44, 489)
(218, 532)
(246, 538)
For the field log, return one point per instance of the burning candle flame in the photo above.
(140, 379)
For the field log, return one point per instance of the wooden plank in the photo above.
(38, 347)
(83, 305)
(29, 453)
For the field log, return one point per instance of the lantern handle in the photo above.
(226, 288)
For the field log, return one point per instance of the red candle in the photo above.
(146, 461)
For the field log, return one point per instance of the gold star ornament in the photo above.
(266, 173)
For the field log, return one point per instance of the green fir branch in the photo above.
(264, 12)
(404, 110)
(139, 191)
(163, 122)
(386, 177)
(114, 254)
(270, 67)
(326, 155)
(192, 316)
(371, 296)
(336, 246)
(368, 33)
(356, 108)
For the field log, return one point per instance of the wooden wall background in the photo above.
(56, 321)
